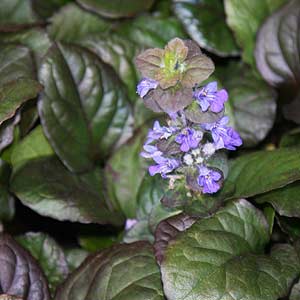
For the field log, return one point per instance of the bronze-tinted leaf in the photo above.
(20, 276)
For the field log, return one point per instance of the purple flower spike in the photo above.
(189, 139)
(130, 223)
(208, 179)
(164, 166)
(145, 85)
(151, 152)
(223, 136)
(210, 97)
(160, 132)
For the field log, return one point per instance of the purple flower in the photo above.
(223, 136)
(164, 166)
(189, 139)
(209, 97)
(160, 132)
(208, 179)
(150, 152)
(145, 85)
(130, 223)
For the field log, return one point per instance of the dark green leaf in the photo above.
(16, 12)
(66, 24)
(151, 30)
(277, 46)
(95, 243)
(20, 275)
(7, 202)
(269, 213)
(118, 52)
(221, 258)
(253, 104)
(33, 146)
(124, 173)
(150, 211)
(84, 107)
(295, 293)
(7, 131)
(261, 172)
(291, 139)
(245, 17)
(204, 20)
(16, 77)
(290, 226)
(35, 39)
(286, 200)
(124, 272)
(75, 257)
(46, 8)
(116, 8)
(48, 188)
(49, 255)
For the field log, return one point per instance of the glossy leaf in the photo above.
(221, 257)
(205, 23)
(7, 201)
(253, 104)
(118, 52)
(75, 257)
(167, 231)
(150, 211)
(261, 172)
(16, 12)
(277, 46)
(48, 188)
(34, 145)
(49, 255)
(66, 24)
(20, 275)
(16, 76)
(124, 173)
(7, 131)
(151, 30)
(127, 272)
(35, 39)
(116, 9)
(285, 200)
(75, 78)
(245, 17)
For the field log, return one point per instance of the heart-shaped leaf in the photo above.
(277, 46)
(221, 257)
(84, 106)
(205, 23)
(49, 255)
(48, 188)
(115, 8)
(20, 275)
(126, 271)
(245, 17)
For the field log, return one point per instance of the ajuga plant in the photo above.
(196, 125)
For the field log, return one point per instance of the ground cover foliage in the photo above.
(80, 216)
